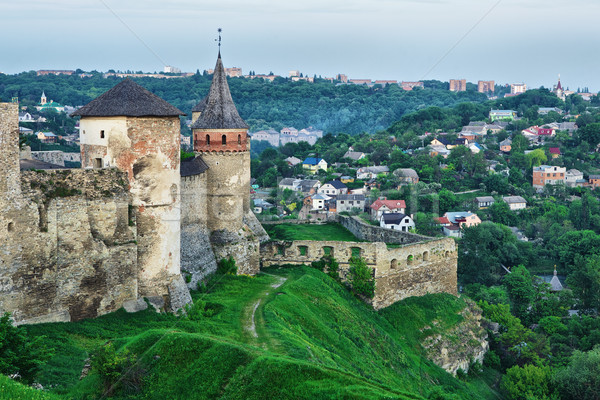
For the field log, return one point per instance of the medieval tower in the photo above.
(134, 130)
(221, 139)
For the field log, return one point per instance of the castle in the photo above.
(137, 222)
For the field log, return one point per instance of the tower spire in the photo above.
(219, 40)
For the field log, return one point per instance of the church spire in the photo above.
(558, 86)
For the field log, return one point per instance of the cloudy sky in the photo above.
(508, 41)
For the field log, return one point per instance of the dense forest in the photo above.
(323, 105)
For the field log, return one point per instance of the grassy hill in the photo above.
(289, 333)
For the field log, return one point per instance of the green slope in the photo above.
(289, 333)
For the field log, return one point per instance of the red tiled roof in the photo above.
(554, 150)
(391, 204)
(443, 220)
(545, 131)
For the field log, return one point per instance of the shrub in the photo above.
(117, 370)
(226, 266)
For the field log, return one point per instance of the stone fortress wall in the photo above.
(420, 266)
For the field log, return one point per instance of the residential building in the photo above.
(47, 137)
(463, 219)
(360, 81)
(342, 78)
(293, 161)
(371, 172)
(548, 175)
(333, 188)
(502, 115)
(382, 205)
(319, 200)
(411, 85)
(554, 152)
(574, 178)
(171, 70)
(485, 86)
(484, 202)
(397, 221)
(518, 88)
(546, 110)
(515, 202)
(290, 183)
(346, 179)
(458, 85)
(506, 145)
(313, 164)
(407, 176)
(354, 155)
(270, 136)
(349, 202)
(595, 181)
(294, 73)
(309, 186)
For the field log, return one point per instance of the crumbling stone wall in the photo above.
(71, 252)
(408, 270)
(372, 233)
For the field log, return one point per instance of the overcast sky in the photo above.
(508, 41)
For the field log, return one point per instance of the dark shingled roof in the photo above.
(220, 111)
(200, 106)
(192, 166)
(130, 100)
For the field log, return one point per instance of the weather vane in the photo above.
(219, 40)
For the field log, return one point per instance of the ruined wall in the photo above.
(408, 270)
(197, 257)
(9, 156)
(71, 252)
(372, 233)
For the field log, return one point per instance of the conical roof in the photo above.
(201, 105)
(130, 100)
(220, 111)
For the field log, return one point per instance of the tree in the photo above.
(585, 281)
(528, 382)
(501, 213)
(20, 354)
(521, 291)
(519, 144)
(536, 158)
(361, 278)
(580, 380)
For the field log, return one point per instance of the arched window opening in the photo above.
(426, 256)
(409, 260)
(11, 226)
(239, 139)
(208, 140)
(394, 264)
(224, 140)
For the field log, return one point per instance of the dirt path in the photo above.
(250, 322)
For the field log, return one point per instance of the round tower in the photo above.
(221, 138)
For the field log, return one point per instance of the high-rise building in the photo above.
(485, 86)
(458, 85)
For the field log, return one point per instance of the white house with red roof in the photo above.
(383, 205)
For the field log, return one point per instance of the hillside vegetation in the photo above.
(289, 333)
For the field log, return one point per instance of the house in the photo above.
(354, 155)
(546, 132)
(548, 175)
(452, 231)
(346, 179)
(502, 115)
(371, 172)
(333, 188)
(292, 161)
(289, 183)
(407, 176)
(348, 202)
(574, 178)
(271, 136)
(314, 164)
(439, 142)
(515, 202)
(26, 117)
(309, 186)
(261, 205)
(319, 200)
(439, 151)
(463, 219)
(475, 148)
(506, 145)
(47, 137)
(484, 202)
(25, 131)
(396, 221)
(595, 181)
(554, 152)
(382, 205)
(546, 110)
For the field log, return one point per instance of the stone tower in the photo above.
(221, 138)
(10, 183)
(134, 130)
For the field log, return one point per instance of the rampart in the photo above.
(413, 269)
(371, 233)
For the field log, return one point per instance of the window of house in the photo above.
(224, 140)
(101, 134)
(207, 140)
(240, 139)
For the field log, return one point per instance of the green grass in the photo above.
(331, 231)
(12, 390)
(314, 341)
